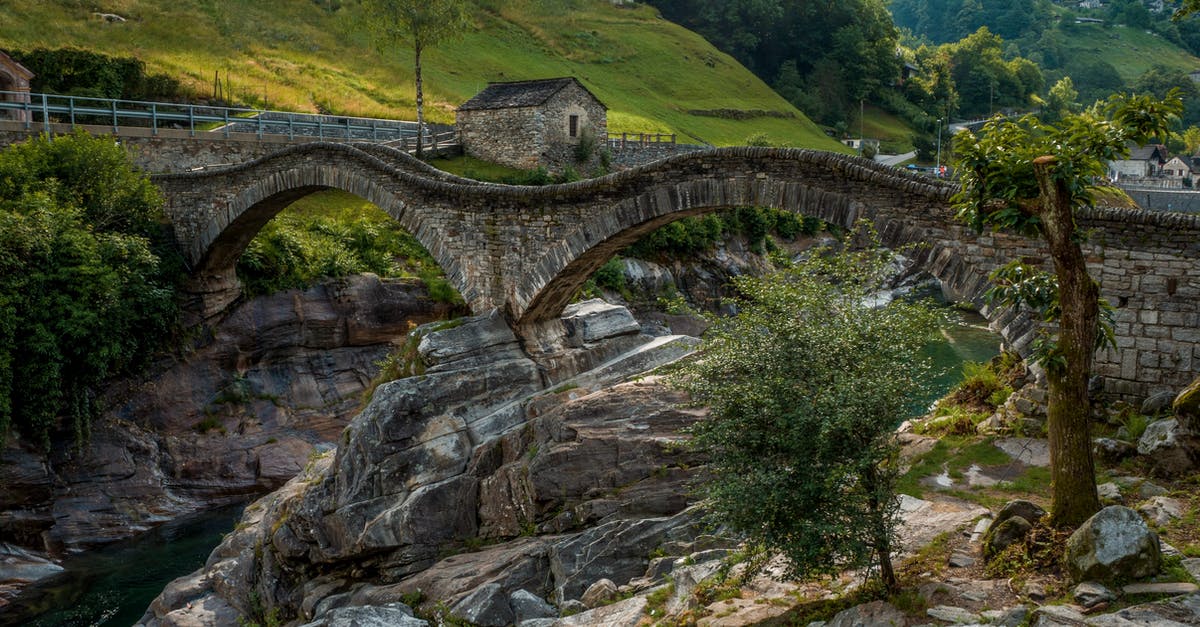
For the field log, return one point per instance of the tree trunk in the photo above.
(880, 529)
(420, 100)
(1073, 475)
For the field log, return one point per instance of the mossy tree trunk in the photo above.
(1073, 472)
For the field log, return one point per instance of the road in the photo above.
(895, 159)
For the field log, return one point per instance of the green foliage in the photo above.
(611, 275)
(76, 72)
(689, 236)
(806, 385)
(333, 234)
(1000, 188)
(87, 280)
(822, 56)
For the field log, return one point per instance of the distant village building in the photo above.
(1182, 170)
(14, 86)
(1143, 162)
(552, 123)
(857, 144)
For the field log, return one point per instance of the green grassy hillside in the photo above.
(1130, 50)
(295, 55)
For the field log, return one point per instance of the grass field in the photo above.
(294, 55)
(1130, 50)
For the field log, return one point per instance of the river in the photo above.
(113, 586)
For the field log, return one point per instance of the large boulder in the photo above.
(527, 605)
(1187, 403)
(1171, 446)
(1113, 544)
(486, 606)
(1011, 525)
(390, 615)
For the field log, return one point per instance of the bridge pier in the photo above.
(208, 296)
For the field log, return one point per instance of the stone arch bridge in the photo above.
(526, 250)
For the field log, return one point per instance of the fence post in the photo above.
(154, 119)
(260, 124)
(45, 114)
(320, 128)
(226, 126)
(25, 104)
(291, 127)
(191, 120)
(71, 108)
(114, 114)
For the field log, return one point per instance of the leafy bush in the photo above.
(806, 385)
(334, 234)
(88, 279)
(76, 72)
(689, 236)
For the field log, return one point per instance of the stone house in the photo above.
(1143, 162)
(14, 82)
(553, 123)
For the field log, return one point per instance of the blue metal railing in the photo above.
(46, 109)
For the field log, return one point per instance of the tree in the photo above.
(1030, 178)
(1061, 100)
(1187, 8)
(424, 24)
(88, 280)
(806, 385)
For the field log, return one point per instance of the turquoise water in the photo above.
(114, 585)
(966, 338)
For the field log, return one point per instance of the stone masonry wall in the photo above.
(511, 137)
(632, 154)
(560, 151)
(526, 250)
(171, 150)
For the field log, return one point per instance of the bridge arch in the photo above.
(217, 213)
(806, 187)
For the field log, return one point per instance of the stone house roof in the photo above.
(517, 94)
(1149, 152)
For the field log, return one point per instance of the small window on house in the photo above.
(574, 126)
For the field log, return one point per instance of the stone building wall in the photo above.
(561, 150)
(14, 78)
(511, 137)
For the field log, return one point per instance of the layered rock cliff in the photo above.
(490, 472)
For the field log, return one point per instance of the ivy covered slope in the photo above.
(308, 55)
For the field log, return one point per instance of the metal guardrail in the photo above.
(620, 140)
(46, 109)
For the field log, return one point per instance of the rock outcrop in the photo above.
(276, 383)
(567, 484)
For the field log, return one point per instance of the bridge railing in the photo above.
(618, 141)
(46, 109)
